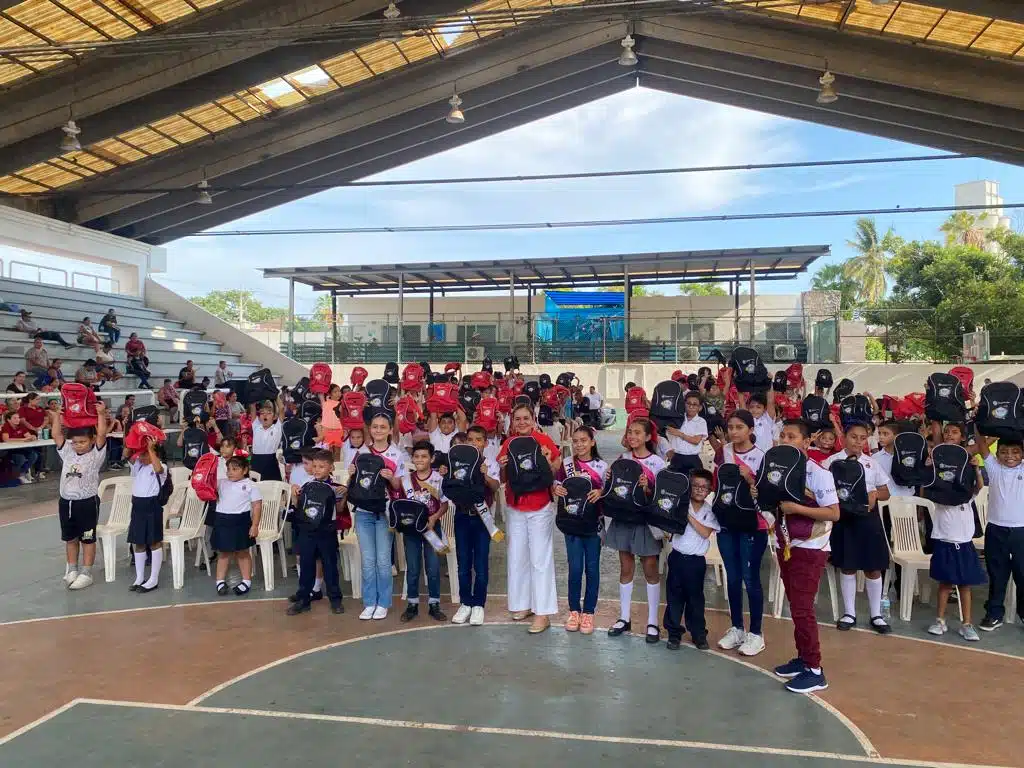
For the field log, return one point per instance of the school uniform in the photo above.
(419, 554)
(884, 460)
(764, 431)
(473, 546)
(146, 526)
(637, 537)
(1004, 536)
(348, 452)
(583, 553)
(234, 514)
(441, 441)
(78, 506)
(317, 541)
(859, 543)
(801, 574)
(265, 442)
(685, 455)
(531, 553)
(954, 558)
(684, 584)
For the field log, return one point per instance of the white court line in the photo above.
(116, 611)
(516, 732)
(39, 721)
(29, 519)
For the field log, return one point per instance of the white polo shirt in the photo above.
(689, 542)
(884, 460)
(441, 441)
(1005, 494)
(764, 429)
(692, 427)
(820, 483)
(236, 497)
(266, 440)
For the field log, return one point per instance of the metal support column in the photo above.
(529, 326)
(511, 313)
(291, 317)
(627, 291)
(401, 312)
(753, 282)
(735, 286)
(334, 326)
(430, 323)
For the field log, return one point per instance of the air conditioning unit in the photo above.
(784, 352)
(475, 354)
(688, 354)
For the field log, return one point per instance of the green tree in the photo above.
(237, 306)
(962, 228)
(702, 289)
(869, 266)
(833, 277)
(874, 349)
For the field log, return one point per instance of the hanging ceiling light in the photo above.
(391, 12)
(392, 32)
(881, 2)
(827, 94)
(203, 196)
(70, 142)
(627, 58)
(455, 115)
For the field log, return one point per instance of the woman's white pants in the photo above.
(531, 561)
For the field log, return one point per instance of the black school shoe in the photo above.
(619, 627)
(298, 607)
(316, 595)
(846, 622)
(412, 610)
(337, 607)
(701, 643)
(436, 613)
(673, 643)
(989, 623)
(655, 637)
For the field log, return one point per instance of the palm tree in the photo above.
(962, 229)
(868, 267)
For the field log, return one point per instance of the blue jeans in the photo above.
(584, 554)
(24, 459)
(472, 550)
(114, 334)
(375, 549)
(742, 553)
(418, 555)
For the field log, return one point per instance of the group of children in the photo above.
(412, 465)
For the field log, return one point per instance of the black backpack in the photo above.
(545, 381)
(713, 417)
(391, 373)
(166, 489)
(408, 515)
(781, 477)
(295, 435)
(316, 505)
(511, 363)
(378, 400)
(953, 476)
(576, 515)
(851, 487)
(1001, 411)
(193, 445)
(823, 379)
(668, 404)
(780, 382)
(260, 387)
(734, 505)
(464, 483)
(692, 381)
(427, 370)
(309, 412)
(909, 451)
(469, 399)
(545, 415)
(487, 365)
(843, 389)
(194, 406)
(367, 489)
(300, 389)
(532, 390)
(669, 509)
(944, 398)
(527, 469)
(148, 413)
(749, 372)
(523, 399)
(623, 498)
(855, 409)
(816, 412)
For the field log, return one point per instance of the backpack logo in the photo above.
(750, 367)
(199, 477)
(909, 461)
(365, 482)
(193, 452)
(815, 416)
(621, 490)
(313, 510)
(947, 475)
(296, 444)
(573, 508)
(667, 502)
(666, 402)
(526, 463)
(375, 402)
(1001, 412)
(843, 493)
(727, 497)
(712, 410)
(460, 473)
(774, 477)
(945, 391)
(76, 407)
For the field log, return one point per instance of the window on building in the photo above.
(695, 333)
(788, 331)
(481, 334)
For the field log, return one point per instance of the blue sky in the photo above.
(635, 129)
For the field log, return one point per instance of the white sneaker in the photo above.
(84, 580)
(938, 628)
(380, 612)
(733, 639)
(752, 645)
(477, 617)
(462, 615)
(25, 480)
(69, 577)
(368, 612)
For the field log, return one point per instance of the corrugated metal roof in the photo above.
(584, 298)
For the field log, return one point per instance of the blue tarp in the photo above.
(555, 299)
(582, 316)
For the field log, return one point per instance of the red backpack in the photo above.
(678, 375)
(480, 380)
(138, 433)
(358, 376)
(487, 413)
(79, 406)
(352, 404)
(408, 412)
(443, 398)
(453, 368)
(320, 378)
(635, 399)
(204, 477)
(549, 397)
(795, 377)
(966, 376)
(412, 378)
(506, 397)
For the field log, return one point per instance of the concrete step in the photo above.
(77, 354)
(29, 289)
(147, 329)
(71, 308)
(184, 346)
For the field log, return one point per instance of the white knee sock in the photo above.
(874, 589)
(154, 571)
(625, 598)
(653, 598)
(848, 581)
(140, 568)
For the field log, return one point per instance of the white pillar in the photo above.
(401, 312)
(511, 312)
(753, 281)
(627, 290)
(291, 317)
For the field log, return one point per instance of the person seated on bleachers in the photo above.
(187, 376)
(222, 375)
(135, 347)
(88, 375)
(27, 325)
(37, 359)
(17, 384)
(168, 396)
(16, 431)
(105, 367)
(48, 381)
(138, 363)
(87, 335)
(5, 307)
(34, 416)
(108, 325)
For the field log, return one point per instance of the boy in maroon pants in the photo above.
(810, 526)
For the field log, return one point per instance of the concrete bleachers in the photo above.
(55, 308)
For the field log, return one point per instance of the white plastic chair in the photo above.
(777, 588)
(180, 476)
(190, 529)
(276, 496)
(117, 520)
(351, 563)
(981, 502)
(907, 551)
(715, 561)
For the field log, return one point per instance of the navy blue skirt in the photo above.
(266, 464)
(231, 532)
(146, 526)
(957, 564)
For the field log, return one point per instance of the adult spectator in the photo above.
(17, 384)
(105, 364)
(49, 381)
(205, 383)
(88, 375)
(15, 430)
(187, 376)
(34, 416)
(87, 335)
(594, 399)
(109, 326)
(37, 359)
(27, 325)
(222, 375)
(135, 347)
(168, 396)
(138, 362)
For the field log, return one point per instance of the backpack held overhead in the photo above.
(944, 398)
(668, 404)
(358, 376)
(260, 387)
(823, 379)
(79, 406)
(734, 505)
(623, 499)
(669, 509)
(412, 378)
(953, 476)
(368, 490)
(204, 477)
(391, 373)
(748, 370)
(378, 400)
(779, 382)
(843, 389)
(1001, 411)
(310, 412)
(815, 411)
(300, 389)
(909, 460)
(193, 446)
(320, 378)
(851, 487)
(527, 469)
(855, 409)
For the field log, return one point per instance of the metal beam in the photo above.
(40, 104)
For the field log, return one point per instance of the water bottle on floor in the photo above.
(886, 607)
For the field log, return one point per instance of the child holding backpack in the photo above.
(423, 483)
(236, 524)
(531, 528)
(146, 527)
(266, 438)
(1004, 533)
